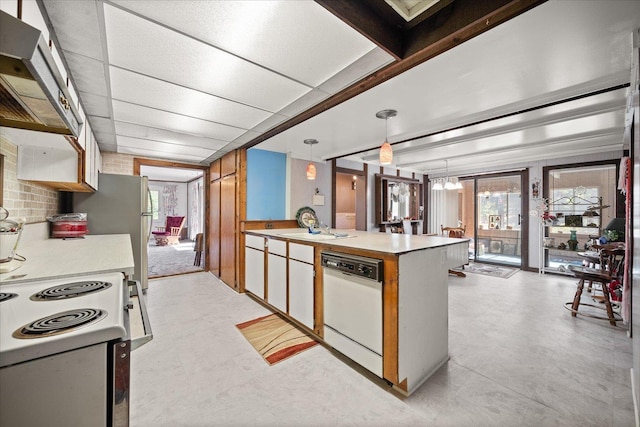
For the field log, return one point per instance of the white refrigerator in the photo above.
(122, 205)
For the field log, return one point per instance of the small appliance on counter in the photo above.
(10, 232)
(69, 225)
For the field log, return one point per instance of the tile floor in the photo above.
(518, 358)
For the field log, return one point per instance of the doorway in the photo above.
(494, 206)
(350, 199)
(175, 190)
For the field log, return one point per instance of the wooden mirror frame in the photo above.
(381, 202)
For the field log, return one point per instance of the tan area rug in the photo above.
(275, 338)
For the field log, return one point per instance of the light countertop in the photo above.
(57, 258)
(389, 243)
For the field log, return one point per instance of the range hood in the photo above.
(33, 94)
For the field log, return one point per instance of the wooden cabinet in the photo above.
(67, 167)
(228, 231)
(55, 161)
(214, 170)
(228, 165)
(214, 227)
(224, 219)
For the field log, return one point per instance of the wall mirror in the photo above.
(397, 198)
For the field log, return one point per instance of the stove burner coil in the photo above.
(4, 296)
(60, 323)
(70, 290)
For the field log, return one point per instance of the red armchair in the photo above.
(170, 233)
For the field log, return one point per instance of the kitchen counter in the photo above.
(384, 243)
(57, 258)
(283, 268)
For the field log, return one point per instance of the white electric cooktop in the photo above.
(33, 325)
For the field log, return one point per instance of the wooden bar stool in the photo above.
(611, 264)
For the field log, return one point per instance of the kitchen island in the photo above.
(284, 269)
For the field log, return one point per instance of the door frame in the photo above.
(524, 191)
(137, 162)
(361, 197)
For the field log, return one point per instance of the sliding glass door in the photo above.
(496, 218)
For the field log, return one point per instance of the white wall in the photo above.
(301, 190)
(181, 206)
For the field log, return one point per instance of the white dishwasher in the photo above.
(353, 307)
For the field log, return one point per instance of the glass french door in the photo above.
(498, 221)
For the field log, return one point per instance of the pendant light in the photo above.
(448, 185)
(311, 168)
(386, 152)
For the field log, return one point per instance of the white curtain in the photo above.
(170, 199)
(195, 224)
(444, 210)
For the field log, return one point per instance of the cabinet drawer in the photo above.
(278, 247)
(300, 252)
(254, 242)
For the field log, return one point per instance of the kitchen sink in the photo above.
(309, 236)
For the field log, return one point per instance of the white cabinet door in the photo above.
(277, 282)
(254, 271)
(301, 294)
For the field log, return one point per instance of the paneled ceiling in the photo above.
(486, 83)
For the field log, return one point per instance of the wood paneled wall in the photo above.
(226, 194)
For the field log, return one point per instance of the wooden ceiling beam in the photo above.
(362, 18)
(466, 19)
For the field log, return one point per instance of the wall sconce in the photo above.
(386, 152)
(353, 183)
(311, 168)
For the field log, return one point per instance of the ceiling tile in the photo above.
(171, 149)
(262, 32)
(138, 89)
(101, 124)
(89, 74)
(184, 157)
(245, 137)
(173, 57)
(152, 134)
(269, 123)
(140, 115)
(81, 37)
(309, 99)
(96, 105)
(106, 141)
(367, 64)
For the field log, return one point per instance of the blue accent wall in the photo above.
(266, 184)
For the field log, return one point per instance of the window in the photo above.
(588, 183)
(155, 196)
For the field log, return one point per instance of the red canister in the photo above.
(68, 225)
